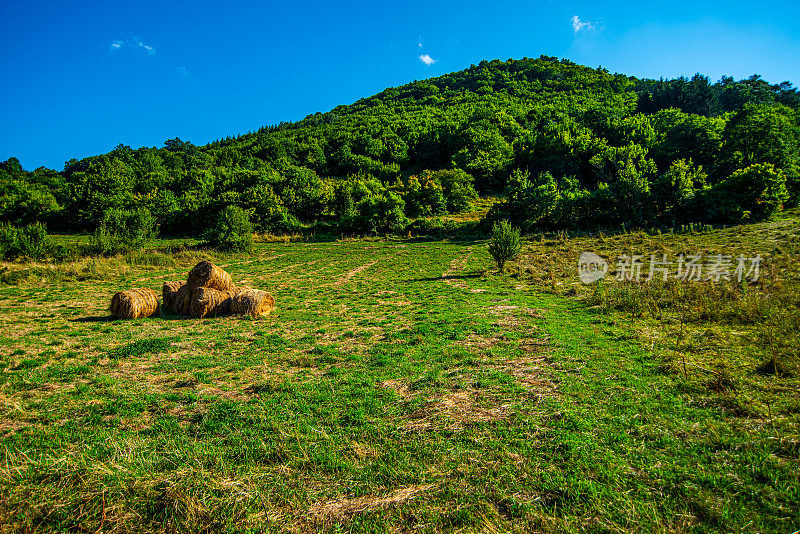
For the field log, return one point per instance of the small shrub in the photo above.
(752, 194)
(30, 241)
(505, 243)
(231, 231)
(122, 231)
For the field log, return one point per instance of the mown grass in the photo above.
(742, 334)
(398, 386)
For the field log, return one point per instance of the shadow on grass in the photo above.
(165, 316)
(95, 319)
(161, 316)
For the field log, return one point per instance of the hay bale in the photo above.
(253, 302)
(169, 294)
(208, 302)
(206, 274)
(134, 303)
(183, 298)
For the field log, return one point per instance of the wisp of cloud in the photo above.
(116, 45)
(428, 60)
(580, 25)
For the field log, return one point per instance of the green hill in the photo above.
(570, 146)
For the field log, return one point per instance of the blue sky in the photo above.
(81, 77)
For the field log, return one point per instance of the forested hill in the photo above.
(570, 146)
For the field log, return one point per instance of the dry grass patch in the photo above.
(401, 389)
(454, 411)
(477, 343)
(9, 427)
(515, 317)
(530, 372)
(363, 451)
(13, 416)
(344, 509)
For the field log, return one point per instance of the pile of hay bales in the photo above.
(208, 291)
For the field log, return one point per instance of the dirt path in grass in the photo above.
(456, 266)
(344, 278)
(347, 276)
(294, 266)
(259, 259)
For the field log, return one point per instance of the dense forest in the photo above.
(566, 146)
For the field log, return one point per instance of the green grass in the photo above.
(143, 346)
(398, 386)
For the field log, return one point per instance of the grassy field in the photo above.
(405, 386)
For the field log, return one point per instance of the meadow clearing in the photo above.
(405, 385)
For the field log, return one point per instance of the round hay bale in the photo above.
(253, 302)
(134, 303)
(169, 293)
(209, 302)
(206, 274)
(182, 299)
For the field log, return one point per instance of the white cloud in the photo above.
(149, 49)
(116, 45)
(579, 25)
(428, 60)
